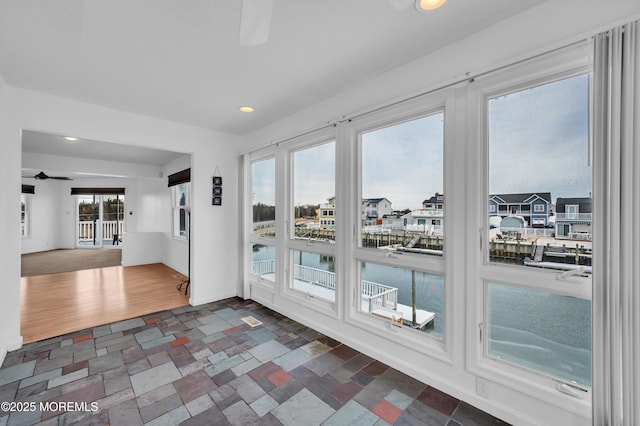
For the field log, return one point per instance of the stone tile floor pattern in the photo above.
(204, 366)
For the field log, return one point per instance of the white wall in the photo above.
(214, 271)
(543, 28)
(44, 217)
(10, 338)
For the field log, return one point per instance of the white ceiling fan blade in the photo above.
(401, 4)
(255, 22)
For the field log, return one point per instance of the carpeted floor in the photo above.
(55, 261)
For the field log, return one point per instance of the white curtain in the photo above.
(616, 292)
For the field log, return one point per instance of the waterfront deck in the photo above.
(377, 299)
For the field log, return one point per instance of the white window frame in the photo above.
(437, 102)
(538, 208)
(26, 225)
(290, 243)
(177, 208)
(545, 69)
(250, 238)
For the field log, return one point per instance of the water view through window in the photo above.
(540, 218)
(314, 192)
(543, 331)
(385, 290)
(263, 194)
(402, 186)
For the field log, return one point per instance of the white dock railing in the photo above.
(264, 267)
(315, 276)
(378, 295)
(529, 232)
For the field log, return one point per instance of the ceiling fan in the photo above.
(255, 19)
(44, 176)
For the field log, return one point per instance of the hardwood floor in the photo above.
(56, 304)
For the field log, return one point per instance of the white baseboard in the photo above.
(15, 345)
(198, 302)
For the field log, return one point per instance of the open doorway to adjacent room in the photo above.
(112, 199)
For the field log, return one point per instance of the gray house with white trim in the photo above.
(534, 208)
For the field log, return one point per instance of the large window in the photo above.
(263, 195)
(400, 213)
(539, 318)
(313, 227)
(263, 218)
(314, 190)
(453, 229)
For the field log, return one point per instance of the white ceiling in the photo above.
(180, 59)
(45, 143)
(114, 160)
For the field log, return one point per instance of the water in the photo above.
(542, 331)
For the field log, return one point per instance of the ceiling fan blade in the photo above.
(401, 4)
(60, 178)
(255, 22)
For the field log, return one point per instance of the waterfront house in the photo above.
(376, 208)
(534, 208)
(573, 218)
(436, 202)
(327, 211)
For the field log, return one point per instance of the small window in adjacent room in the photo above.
(180, 201)
(25, 215)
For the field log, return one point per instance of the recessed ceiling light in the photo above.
(424, 5)
(246, 109)
(69, 138)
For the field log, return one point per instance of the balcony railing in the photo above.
(109, 228)
(573, 216)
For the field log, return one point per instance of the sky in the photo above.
(404, 163)
(538, 142)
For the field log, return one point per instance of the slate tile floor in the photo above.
(204, 366)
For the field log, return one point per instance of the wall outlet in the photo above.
(482, 387)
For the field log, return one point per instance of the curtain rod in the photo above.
(469, 78)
